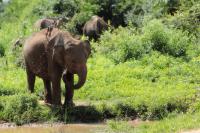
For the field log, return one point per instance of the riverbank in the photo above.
(51, 128)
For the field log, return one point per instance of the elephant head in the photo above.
(72, 55)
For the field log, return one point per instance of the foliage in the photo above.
(188, 20)
(122, 45)
(165, 40)
(18, 56)
(66, 7)
(43, 9)
(2, 50)
(23, 108)
(173, 123)
(78, 20)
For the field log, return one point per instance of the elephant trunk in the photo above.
(81, 78)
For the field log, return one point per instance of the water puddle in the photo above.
(68, 128)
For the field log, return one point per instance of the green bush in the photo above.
(171, 41)
(18, 56)
(2, 50)
(23, 108)
(84, 14)
(45, 8)
(133, 18)
(122, 45)
(173, 6)
(188, 20)
(5, 91)
(125, 43)
(156, 9)
(66, 7)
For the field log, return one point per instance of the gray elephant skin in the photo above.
(94, 27)
(48, 54)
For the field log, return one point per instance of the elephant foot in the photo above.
(47, 98)
(57, 103)
(69, 104)
(48, 101)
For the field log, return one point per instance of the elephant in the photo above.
(49, 22)
(94, 27)
(50, 52)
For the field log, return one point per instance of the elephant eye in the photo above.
(86, 55)
(73, 61)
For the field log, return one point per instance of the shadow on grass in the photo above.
(86, 114)
(78, 114)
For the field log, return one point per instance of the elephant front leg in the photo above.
(56, 92)
(56, 88)
(47, 92)
(68, 78)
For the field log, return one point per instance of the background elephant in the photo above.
(94, 27)
(48, 22)
(47, 55)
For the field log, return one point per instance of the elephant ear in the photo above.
(58, 48)
(87, 46)
(101, 25)
(59, 41)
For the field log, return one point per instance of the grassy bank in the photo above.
(171, 124)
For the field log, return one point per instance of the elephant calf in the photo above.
(94, 27)
(45, 23)
(48, 55)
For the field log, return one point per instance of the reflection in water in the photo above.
(71, 128)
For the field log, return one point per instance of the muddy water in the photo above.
(71, 128)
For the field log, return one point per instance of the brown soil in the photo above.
(192, 131)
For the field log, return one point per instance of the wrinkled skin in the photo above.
(94, 27)
(45, 23)
(48, 55)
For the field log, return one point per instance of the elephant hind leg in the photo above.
(30, 79)
(47, 91)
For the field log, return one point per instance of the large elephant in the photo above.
(94, 27)
(48, 53)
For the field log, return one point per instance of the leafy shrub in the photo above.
(133, 18)
(156, 9)
(18, 56)
(6, 91)
(114, 10)
(44, 8)
(122, 45)
(170, 41)
(84, 14)
(2, 50)
(187, 20)
(66, 7)
(23, 108)
(2, 6)
(173, 6)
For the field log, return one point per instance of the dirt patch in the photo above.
(192, 131)
(52, 128)
(137, 122)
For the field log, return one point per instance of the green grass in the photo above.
(172, 124)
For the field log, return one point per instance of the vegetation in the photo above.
(146, 66)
